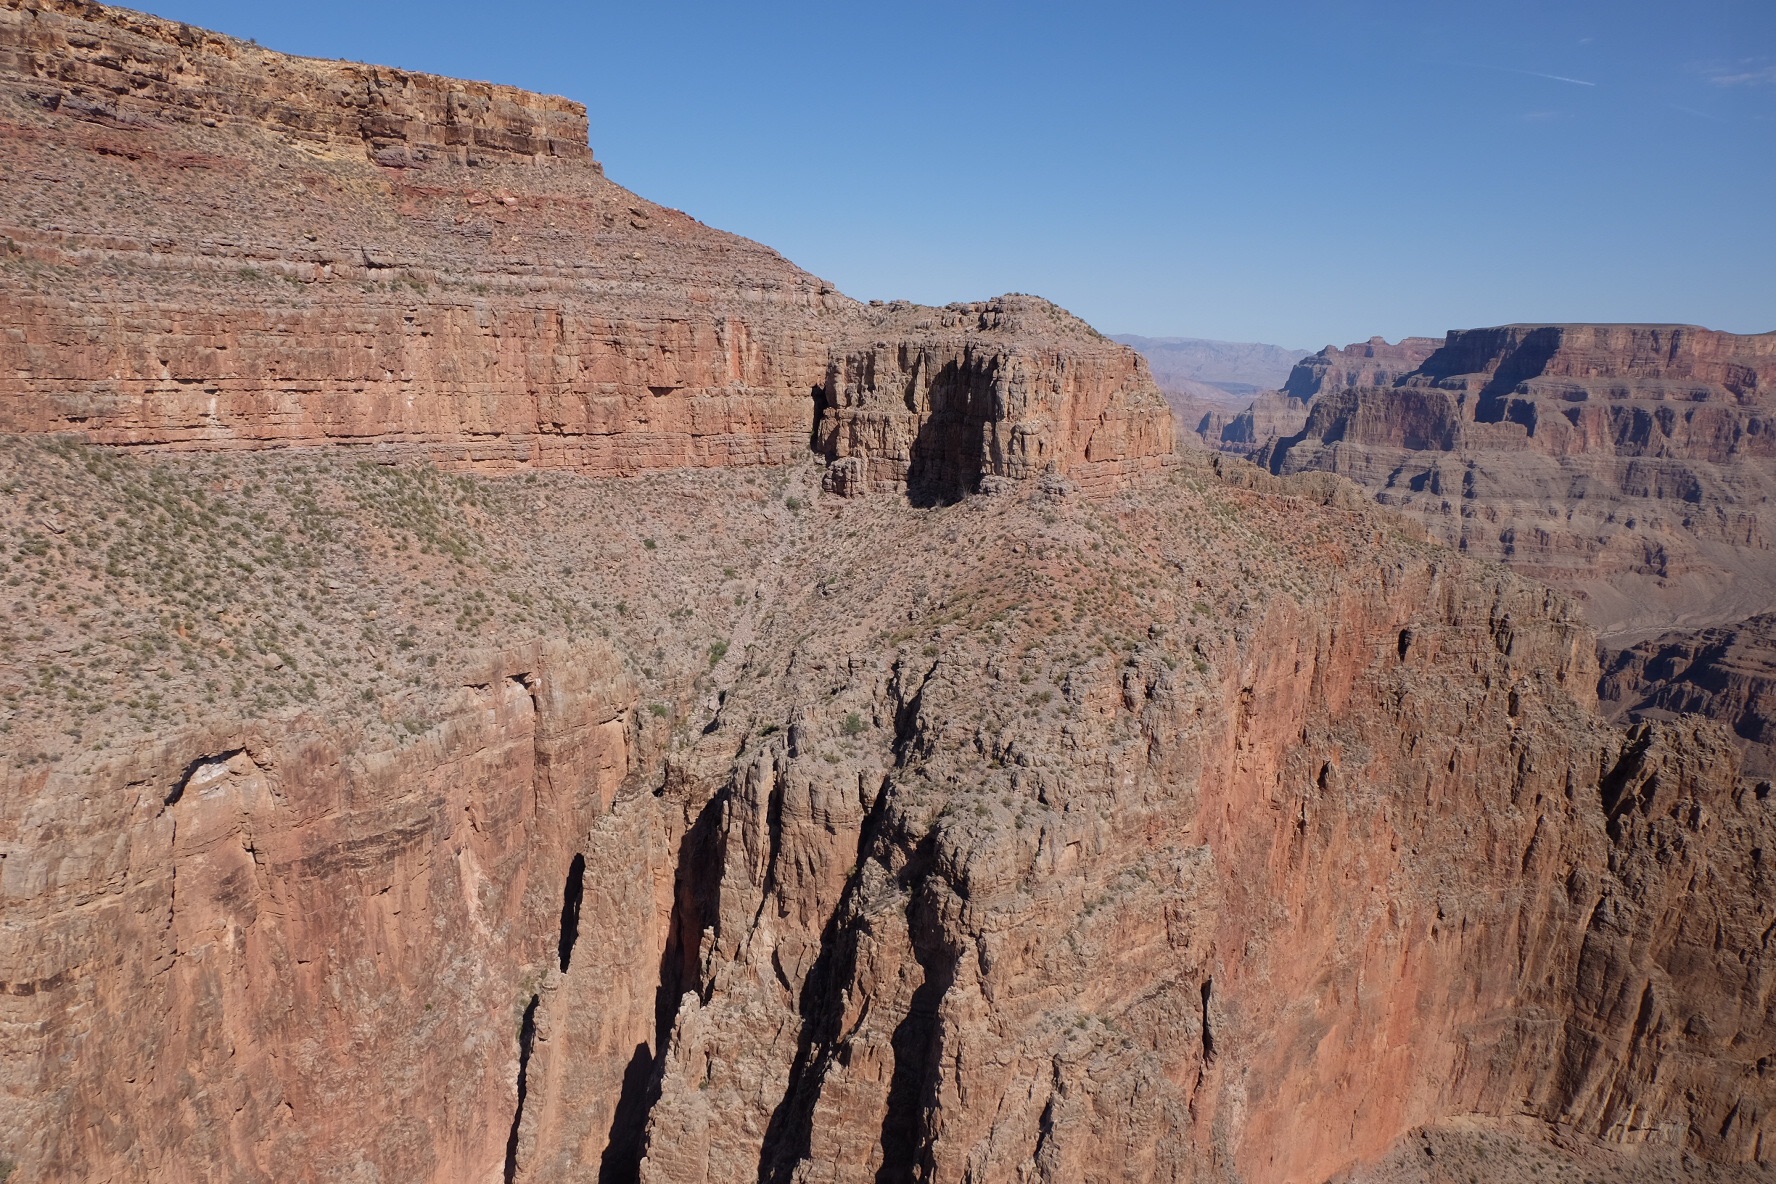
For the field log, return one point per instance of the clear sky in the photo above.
(1288, 171)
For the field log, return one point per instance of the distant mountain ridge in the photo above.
(1228, 372)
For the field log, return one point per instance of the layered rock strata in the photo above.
(366, 816)
(209, 245)
(1367, 363)
(1630, 464)
(1085, 853)
(1009, 389)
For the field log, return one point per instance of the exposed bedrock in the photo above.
(987, 391)
(129, 68)
(1250, 895)
(207, 245)
(1630, 464)
(1210, 825)
(227, 947)
(1265, 927)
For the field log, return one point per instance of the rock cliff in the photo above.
(1628, 463)
(456, 724)
(211, 245)
(1083, 852)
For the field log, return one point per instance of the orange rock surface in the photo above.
(390, 791)
(214, 245)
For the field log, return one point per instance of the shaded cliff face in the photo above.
(209, 245)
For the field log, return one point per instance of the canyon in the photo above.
(1627, 464)
(505, 682)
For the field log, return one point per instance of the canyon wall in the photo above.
(204, 244)
(1311, 838)
(389, 792)
(226, 945)
(1727, 672)
(1628, 463)
(131, 69)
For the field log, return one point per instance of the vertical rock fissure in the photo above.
(911, 1087)
(821, 1006)
(696, 875)
(1208, 1029)
(571, 895)
(526, 1037)
(821, 402)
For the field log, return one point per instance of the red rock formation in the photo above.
(957, 394)
(1627, 463)
(131, 70)
(212, 245)
(1270, 416)
(1210, 827)
(238, 941)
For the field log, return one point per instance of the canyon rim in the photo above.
(504, 682)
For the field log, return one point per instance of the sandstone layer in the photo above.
(457, 723)
(1080, 854)
(211, 245)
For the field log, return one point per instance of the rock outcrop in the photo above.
(1009, 389)
(1727, 673)
(129, 70)
(1630, 464)
(425, 803)
(210, 245)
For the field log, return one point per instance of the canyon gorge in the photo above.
(504, 682)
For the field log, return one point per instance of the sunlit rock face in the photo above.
(501, 681)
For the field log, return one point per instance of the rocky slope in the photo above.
(1727, 673)
(204, 244)
(659, 720)
(1071, 851)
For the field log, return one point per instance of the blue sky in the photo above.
(1286, 171)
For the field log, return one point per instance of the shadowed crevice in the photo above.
(912, 1089)
(697, 879)
(946, 460)
(571, 896)
(526, 1038)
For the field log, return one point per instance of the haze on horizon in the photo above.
(1285, 171)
